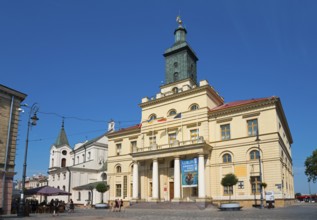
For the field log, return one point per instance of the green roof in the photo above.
(62, 138)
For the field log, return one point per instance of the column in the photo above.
(177, 178)
(201, 176)
(155, 180)
(135, 180)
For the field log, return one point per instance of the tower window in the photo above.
(175, 64)
(175, 76)
(64, 152)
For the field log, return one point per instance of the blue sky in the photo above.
(97, 59)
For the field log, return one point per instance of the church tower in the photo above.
(180, 59)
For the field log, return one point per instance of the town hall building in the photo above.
(190, 138)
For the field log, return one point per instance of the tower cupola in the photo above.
(180, 59)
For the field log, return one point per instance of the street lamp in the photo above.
(31, 122)
(260, 170)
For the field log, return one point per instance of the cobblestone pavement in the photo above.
(297, 211)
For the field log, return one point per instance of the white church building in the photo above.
(78, 170)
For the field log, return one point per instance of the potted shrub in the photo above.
(102, 188)
(229, 180)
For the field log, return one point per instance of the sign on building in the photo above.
(189, 169)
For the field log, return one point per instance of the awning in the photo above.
(90, 186)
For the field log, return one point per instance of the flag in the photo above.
(161, 120)
(179, 115)
(150, 120)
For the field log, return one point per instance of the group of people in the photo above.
(56, 203)
(117, 206)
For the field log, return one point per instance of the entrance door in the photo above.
(171, 191)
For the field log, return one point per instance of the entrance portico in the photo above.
(161, 178)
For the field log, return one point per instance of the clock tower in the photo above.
(180, 59)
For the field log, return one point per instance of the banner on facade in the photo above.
(189, 169)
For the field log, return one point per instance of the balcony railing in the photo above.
(173, 144)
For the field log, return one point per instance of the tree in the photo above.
(264, 185)
(102, 188)
(229, 180)
(311, 167)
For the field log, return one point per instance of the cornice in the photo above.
(182, 94)
(249, 106)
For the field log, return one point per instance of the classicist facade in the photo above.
(84, 164)
(10, 101)
(189, 139)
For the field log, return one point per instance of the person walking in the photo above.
(71, 206)
(121, 205)
(56, 206)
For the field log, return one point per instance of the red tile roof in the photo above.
(240, 103)
(127, 129)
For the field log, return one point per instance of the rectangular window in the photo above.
(118, 150)
(172, 138)
(194, 134)
(152, 140)
(252, 127)
(225, 132)
(228, 190)
(133, 146)
(118, 190)
(125, 186)
(255, 184)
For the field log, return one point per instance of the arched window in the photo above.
(175, 76)
(104, 176)
(64, 162)
(172, 112)
(118, 169)
(175, 90)
(64, 188)
(52, 162)
(226, 158)
(254, 155)
(193, 107)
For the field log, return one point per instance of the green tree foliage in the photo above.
(102, 188)
(229, 180)
(264, 185)
(311, 167)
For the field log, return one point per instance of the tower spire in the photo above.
(62, 137)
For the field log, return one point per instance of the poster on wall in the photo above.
(189, 169)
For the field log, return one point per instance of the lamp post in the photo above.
(260, 169)
(31, 122)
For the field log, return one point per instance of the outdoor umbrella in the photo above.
(46, 191)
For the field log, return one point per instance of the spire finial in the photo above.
(179, 20)
(63, 122)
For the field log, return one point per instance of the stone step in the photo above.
(169, 205)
